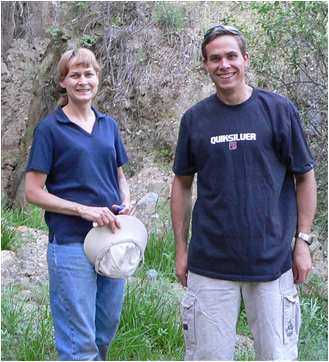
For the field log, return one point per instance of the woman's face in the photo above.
(81, 83)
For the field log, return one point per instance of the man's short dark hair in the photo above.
(220, 30)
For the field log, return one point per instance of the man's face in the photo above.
(226, 64)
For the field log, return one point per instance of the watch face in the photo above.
(306, 237)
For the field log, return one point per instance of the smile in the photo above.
(226, 75)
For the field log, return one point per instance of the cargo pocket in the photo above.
(291, 318)
(188, 319)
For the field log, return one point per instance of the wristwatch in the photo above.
(305, 237)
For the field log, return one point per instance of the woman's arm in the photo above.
(124, 192)
(37, 195)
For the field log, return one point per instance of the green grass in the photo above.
(159, 256)
(313, 338)
(26, 328)
(8, 235)
(243, 327)
(30, 216)
(150, 327)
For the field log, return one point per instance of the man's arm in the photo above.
(306, 206)
(181, 205)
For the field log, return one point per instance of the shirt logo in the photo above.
(233, 139)
(232, 145)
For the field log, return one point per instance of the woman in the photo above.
(77, 153)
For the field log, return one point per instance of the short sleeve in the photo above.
(184, 163)
(120, 150)
(294, 148)
(42, 150)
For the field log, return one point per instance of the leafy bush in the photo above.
(87, 41)
(55, 33)
(170, 15)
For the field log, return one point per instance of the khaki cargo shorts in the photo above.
(210, 310)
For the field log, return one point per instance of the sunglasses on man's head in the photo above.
(222, 29)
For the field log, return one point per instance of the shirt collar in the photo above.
(62, 118)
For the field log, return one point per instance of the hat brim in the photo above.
(98, 238)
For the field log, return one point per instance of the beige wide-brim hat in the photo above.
(117, 255)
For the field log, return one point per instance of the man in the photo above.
(256, 190)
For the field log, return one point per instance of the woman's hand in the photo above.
(101, 215)
(122, 209)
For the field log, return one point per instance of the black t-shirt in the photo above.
(245, 156)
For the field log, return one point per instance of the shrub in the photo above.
(169, 15)
(87, 41)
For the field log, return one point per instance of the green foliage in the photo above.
(160, 256)
(87, 41)
(295, 33)
(170, 15)
(26, 328)
(80, 6)
(165, 153)
(315, 287)
(150, 327)
(30, 216)
(313, 339)
(55, 33)
(243, 327)
(8, 235)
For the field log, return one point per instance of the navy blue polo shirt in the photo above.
(245, 155)
(80, 167)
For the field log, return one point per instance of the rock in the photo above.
(151, 178)
(7, 258)
(28, 266)
(9, 267)
(146, 208)
(152, 274)
(148, 201)
(26, 295)
(22, 229)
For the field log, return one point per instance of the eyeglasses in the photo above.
(221, 29)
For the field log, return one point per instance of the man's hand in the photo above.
(181, 267)
(302, 261)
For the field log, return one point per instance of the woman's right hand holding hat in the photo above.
(100, 215)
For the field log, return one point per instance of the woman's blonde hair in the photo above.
(80, 56)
